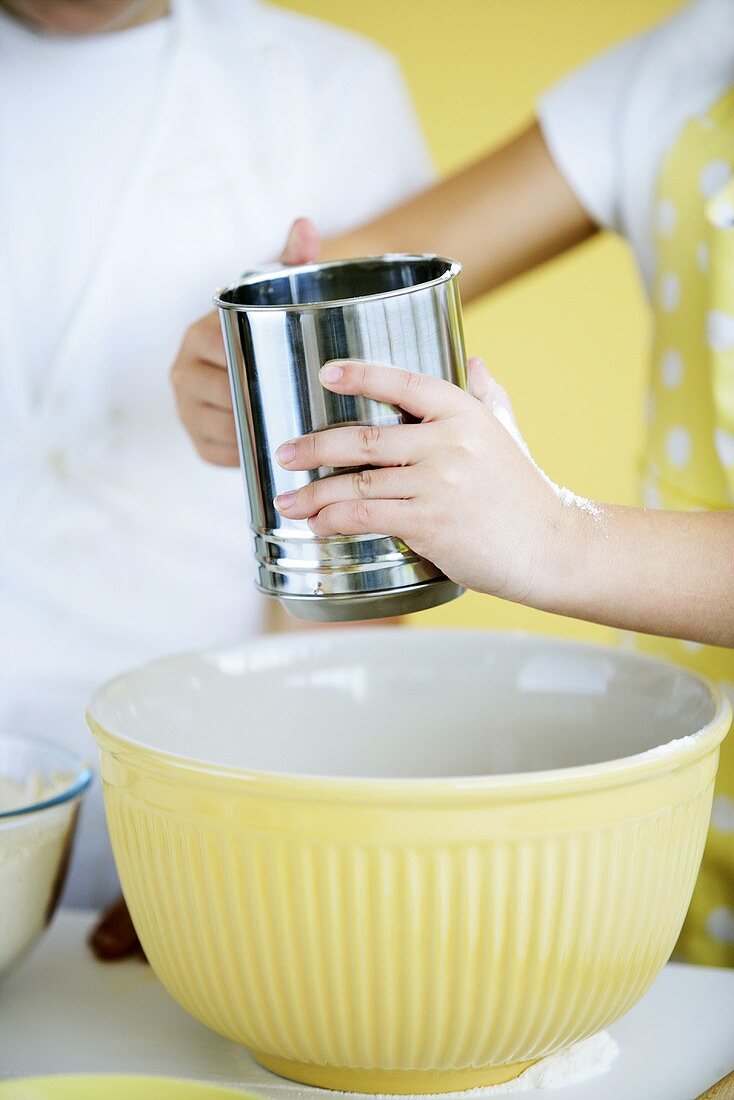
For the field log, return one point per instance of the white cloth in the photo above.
(67, 109)
(117, 543)
(609, 124)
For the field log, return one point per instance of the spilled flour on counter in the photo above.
(581, 1062)
(566, 496)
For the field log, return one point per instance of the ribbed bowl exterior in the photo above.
(411, 940)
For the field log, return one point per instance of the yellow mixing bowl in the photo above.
(397, 861)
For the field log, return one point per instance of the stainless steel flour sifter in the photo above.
(280, 326)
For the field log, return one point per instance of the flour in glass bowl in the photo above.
(33, 848)
(35, 789)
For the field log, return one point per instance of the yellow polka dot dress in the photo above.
(689, 459)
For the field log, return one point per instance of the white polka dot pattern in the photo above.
(722, 814)
(669, 291)
(692, 437)
(724, 442)
(713, 177)
(651, 495)
(671, 369)
(723, 214)
(678, 447)
(667, 216)
(721, 924)
(719, 330)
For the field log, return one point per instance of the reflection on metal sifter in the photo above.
(280, 327)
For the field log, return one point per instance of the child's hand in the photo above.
(459, 488)
(303, 244)
(199, 374)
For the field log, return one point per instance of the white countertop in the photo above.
(62, 1012)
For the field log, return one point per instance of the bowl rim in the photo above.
(584, 777)
(270, 271)
(82, 773)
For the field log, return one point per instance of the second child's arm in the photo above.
(502, 216)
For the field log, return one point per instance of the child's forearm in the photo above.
(501, 216)
(460, 488)
(669, 573)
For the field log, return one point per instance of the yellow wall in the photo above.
(568, 342)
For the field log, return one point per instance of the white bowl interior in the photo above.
(392, 703)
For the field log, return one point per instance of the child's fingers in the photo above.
(361, 485)
(419, 394)
(355, 445)
(495, 399)
(303, 245)
(483, 386)
(215, 426)
(365, 517)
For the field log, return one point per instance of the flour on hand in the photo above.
(566, 496)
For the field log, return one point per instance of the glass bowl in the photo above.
(41, 787)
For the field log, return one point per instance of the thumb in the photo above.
(303, 245)
(495, 399)
(482, 385)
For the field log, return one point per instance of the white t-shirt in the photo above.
(139, 171)
(609, 125)
(71, 114)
